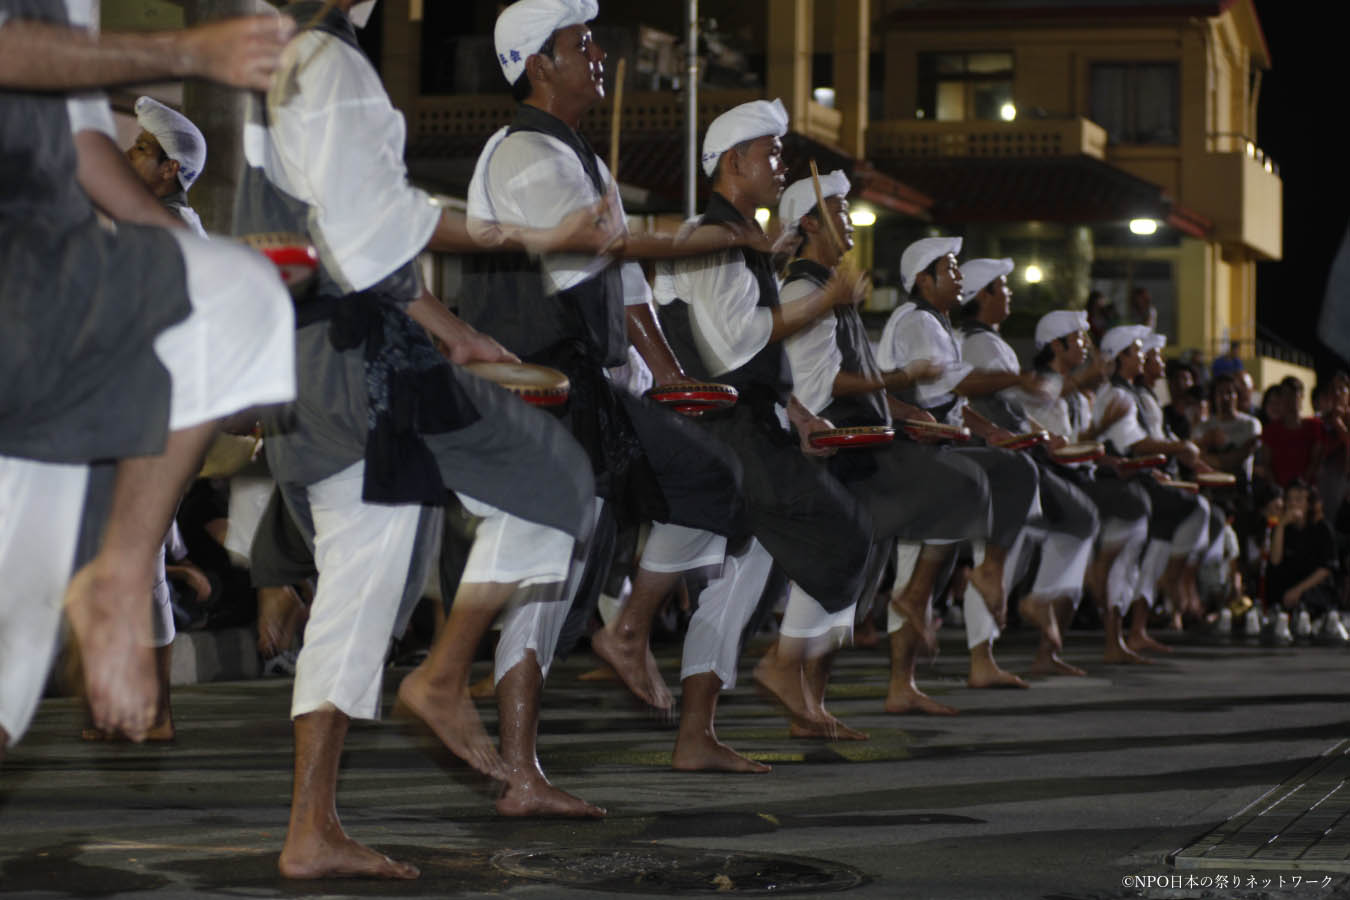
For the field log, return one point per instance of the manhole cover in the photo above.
(662, 870)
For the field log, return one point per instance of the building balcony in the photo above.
(920, 139)
(1244, 196)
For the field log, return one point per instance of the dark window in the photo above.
(954, 87)
(1136, 102)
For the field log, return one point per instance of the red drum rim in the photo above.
(1023, 441)
(1087, 451)
(859, 436)
(292, 254)
(1152, 461)
(536, 385)
(695, 398)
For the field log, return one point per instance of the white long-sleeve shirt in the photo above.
(337, 145)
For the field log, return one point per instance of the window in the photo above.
(1136, 102)
(954, 87)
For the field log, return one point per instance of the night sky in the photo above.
(1302, 102)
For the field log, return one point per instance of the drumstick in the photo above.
(614, 121)
(835, 239)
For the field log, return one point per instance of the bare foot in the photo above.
(904, 700)
(783, 685)
(830, 729)
(529, 793)
(991, 676)
(1118, 654)
(987, 579)
(109, 614)
(1141, 642)
(1054, 664)
(451, 715)
(705, 753)
(631, 658)
(337, 856)
(280, 615)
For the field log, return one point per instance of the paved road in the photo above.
(1060, 792)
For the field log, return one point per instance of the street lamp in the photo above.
(862, 217)
(1143, 227)
(1033, 274)
(1008, 111)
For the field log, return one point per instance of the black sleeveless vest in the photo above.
(505, 295)
(765, 378)
(855, 352)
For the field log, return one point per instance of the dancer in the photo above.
(105, 361)
(921, 330)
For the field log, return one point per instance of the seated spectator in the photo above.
(1302, 559)
(1197, 408)
(1291, 447)
(1229, 438)
(1228, 364)
(1331, 403)
(1101, 316)
(1180, 379)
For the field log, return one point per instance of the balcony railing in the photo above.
(909, 138)
(643, 111)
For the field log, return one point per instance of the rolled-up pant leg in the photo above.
(363, 552)
(713, 641)
(39, 529)
(1072, 526)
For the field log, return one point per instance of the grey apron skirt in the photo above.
(814, 527)
(917, 492)
(1013, 479)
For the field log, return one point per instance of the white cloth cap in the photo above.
(1155, 341)
(180, 139)
(800, 197)
(921, 254)
(977, 274)
(1122, 336)
(525, 25)
(1060, 323)
(756, 119)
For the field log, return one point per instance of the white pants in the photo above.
(1063, 564)
(1124, 577)
(40, 507)
(713, 641)
(234, 350)
(363, 552)
(535, 616)
(806, 619)
(980, 624)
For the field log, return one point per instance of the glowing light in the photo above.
(1251, 150)
(762, 216)
(824, 96)
(862, 217)
(1270, 166)
(1144, 226)
(1008, 111)
(1033, 274)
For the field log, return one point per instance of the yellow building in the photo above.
(1066, 124)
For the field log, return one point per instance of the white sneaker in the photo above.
(1251, 623)
(1224, 624)
(1303, 624)
(1280, 631)
(1333, 629)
